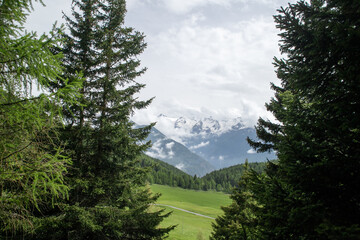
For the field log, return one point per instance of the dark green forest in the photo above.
(223, 180)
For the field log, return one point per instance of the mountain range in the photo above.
(176, 154)
(199, 146)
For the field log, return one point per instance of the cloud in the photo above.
(156, 151)
(170, 145)
(213, 68)
(180, 166)
(185, 6)
(171, 154)
(204, 57)
(251, 151)
(200, 145)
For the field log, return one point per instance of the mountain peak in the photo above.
(208, 125)
(183, 127)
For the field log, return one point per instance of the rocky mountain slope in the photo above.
(199, 146)
(220, 142)
(176, 154)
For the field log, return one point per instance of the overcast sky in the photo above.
(204, 57)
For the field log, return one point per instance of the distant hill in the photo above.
(165, 174)
(227, 178)
(220, 180)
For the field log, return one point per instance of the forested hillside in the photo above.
(221, 180)
(228, 178)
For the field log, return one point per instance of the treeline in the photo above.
(221, 180)
(227, 178)
(68, 157)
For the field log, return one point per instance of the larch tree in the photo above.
(32, 162)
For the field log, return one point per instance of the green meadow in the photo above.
(190, 226)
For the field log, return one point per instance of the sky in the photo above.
(204, 57)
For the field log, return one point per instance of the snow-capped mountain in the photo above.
(176, 154)
(206, 126)
(222, 143)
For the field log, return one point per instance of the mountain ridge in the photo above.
(220, 142)
(199, 146)
(176, 154)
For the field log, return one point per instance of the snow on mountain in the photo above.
(176, 154)
(220, 142)
(182, 128)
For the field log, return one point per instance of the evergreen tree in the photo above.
(32, 163)
(311, 193)
(108, 199)
(239, 220)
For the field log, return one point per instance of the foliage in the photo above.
(107, 199)
(239, 220)
(166, 174)
(223, 180)
(228, 178)
(32, 163)
(311, 193)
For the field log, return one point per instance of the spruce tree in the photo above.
(312, 192)
(108, 197)
(239, 220)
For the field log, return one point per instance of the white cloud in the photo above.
(200, 145)
(214, 69)
(184, 6)
(170, 145)
(251, 151)
(180, 166)
(156, 155)
(171, 154)
(156, 151)
(204, 57)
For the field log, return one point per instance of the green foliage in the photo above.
(107, 199)
(311, 193)
(223, 180)
(166, 174)
(239, 220)
(32, 163)
(228, 178)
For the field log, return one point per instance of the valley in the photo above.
(190, 226)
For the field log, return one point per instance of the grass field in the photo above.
(190, 226)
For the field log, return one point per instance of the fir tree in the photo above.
(311, 193)
(108, 199)
(239, 220)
